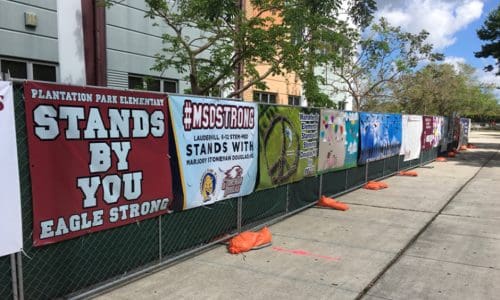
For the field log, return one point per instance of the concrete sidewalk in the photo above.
(434, 236)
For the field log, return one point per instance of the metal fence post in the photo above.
(20, 284)
(239, 214)
(286, 204)
(13, 274)
(346, 177)
(399, 167)
(159, 238)
(383, 167)
(366, 171)
(320, 189)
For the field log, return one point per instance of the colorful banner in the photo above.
(445, 133)
(338, 140)
(11, 233)
(437, 124)
(98, 158)
(217, 148)
(412, 131)
(464, 131)
(427, 133)
(381, 136)
(288, 144)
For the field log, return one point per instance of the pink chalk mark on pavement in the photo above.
(299, 252)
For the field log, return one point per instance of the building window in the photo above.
(44, 72)
(140, 82)
(264, 97)
(18, 69)
(294, 100)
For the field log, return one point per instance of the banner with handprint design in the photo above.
(381, 136)
(338, 140)
(288, 144)
(217, 147)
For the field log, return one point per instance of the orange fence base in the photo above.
(375, 185)
(332, 203)
(441, 159)
(408, 173)
(249, 240)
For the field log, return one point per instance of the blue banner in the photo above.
(381, 136)
(217, 147)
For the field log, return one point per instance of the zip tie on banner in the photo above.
(26, 254)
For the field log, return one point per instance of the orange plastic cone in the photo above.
(408, 173)
(332, 203)
(249, 240)
(376, 185)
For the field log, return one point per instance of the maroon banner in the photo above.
(98, 158)
(427, 133)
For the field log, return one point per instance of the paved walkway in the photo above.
(436, 236)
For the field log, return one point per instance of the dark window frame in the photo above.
(162, 83)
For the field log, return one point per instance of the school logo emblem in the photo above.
(233, 180)
(207, 185)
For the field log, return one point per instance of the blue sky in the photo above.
(452, 25)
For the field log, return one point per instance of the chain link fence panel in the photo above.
(56, 270)
(262, 206)
(334, 182)
(391, 165)
(356, 176)
(5, 278)
(196, 227)
(375, 169)
(303, 193)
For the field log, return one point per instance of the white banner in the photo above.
(217, 145)
(412, 132)
(11, 234)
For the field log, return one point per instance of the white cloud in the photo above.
(442, 19)
(455, 61)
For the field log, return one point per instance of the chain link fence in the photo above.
(5, 278)
(106, 257)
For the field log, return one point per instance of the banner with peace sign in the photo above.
(288, 144)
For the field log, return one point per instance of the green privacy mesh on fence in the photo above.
(5, 278)
(262, 206)
(303, 193)
(376, 169)
(196, 227)
(62, 268)
(334, 182)
(356, 176)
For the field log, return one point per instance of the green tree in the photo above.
(490, 33)
(441, 89)
(216, 44)
(384, 53)
(322, 35)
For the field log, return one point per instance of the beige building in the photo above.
(281, 89)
